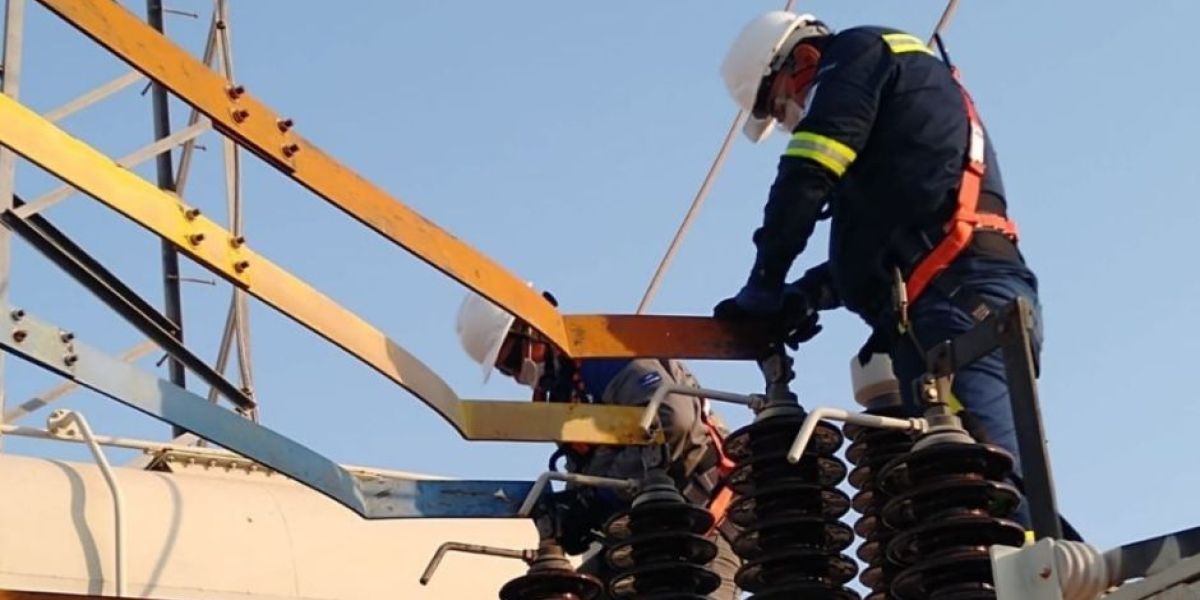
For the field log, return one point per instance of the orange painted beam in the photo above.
(260, 129)
(657, 336)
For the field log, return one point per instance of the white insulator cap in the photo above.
(1082, 571)
(875, 384)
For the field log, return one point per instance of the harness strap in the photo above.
(961, 228)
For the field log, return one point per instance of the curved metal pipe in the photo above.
(59, 423)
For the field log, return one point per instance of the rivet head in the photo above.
(191, 214)
(70, 359)
(239, 114)
(290, 150)
(237, 241)
(196, 238)
(17, 314)
(66, 337)
(235, 91)
(19, 335)
(241, 265)
(284, 124)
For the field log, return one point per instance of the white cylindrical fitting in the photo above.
(875, 384)
(1082, 571)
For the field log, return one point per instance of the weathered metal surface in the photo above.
(90, 273)
(374, 497)
(656, 336)
(400, 498)
(209, 245)
(527, 421)
(47, 346)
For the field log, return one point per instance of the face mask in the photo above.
(793, 112)
(531, 372)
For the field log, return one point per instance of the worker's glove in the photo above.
(752, 301)
(817, 285)
(798, 318)
(789, 311)
(577, 519)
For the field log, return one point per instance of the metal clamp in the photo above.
(527, 556)
(860, 419)
(543, 480)
(660, 394)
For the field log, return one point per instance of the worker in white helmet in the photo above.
(885, 141)
(692, 455)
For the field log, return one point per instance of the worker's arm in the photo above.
(841, 113)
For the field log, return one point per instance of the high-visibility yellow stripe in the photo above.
(954, 403)
(901, 43)
(827, 151)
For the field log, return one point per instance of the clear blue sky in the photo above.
(566, 139)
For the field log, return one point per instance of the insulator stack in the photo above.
(792, 539)
(551, 577)
(870, 450)
(659, 549)
(949, 502)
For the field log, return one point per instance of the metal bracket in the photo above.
(1010, 330)
(238, 114)
(372, 497)
(90, 273)
(205, 242)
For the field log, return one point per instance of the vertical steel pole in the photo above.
(173, 302)
(1014, 329)
(14, 23)
(233, 195)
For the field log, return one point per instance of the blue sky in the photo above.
(566, 140)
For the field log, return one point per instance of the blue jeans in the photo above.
(981, 386)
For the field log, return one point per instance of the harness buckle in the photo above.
(900, 301)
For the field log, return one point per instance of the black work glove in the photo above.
(576, 517)
(751, 302)
(880, 342)
(799, 319)
(817, 285)
(789, 311)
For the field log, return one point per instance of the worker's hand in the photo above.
(798, 318)
(817, 285)
(577, 519)
(750, 302)
(790, 312)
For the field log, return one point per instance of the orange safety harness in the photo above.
(961, 227)
(722, 498)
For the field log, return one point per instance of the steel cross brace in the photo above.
(89, 272)
(372, 497)
(1010, 330)
(264, 132)
(228, 256)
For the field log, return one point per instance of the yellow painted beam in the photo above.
(254, 125)
(202, 240)
(533, 421)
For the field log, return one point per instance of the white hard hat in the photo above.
(482, 327)
(755, 54)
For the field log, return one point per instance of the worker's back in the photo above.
(907, 174)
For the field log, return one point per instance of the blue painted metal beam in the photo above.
(373, 497)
